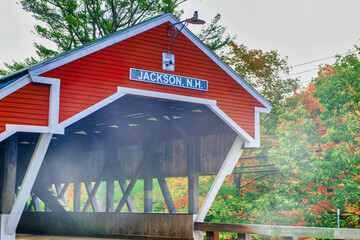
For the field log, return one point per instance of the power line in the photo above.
(315, 69)
(321, 59)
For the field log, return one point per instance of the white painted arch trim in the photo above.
(248, 140)
(59, 128)
(174, 97)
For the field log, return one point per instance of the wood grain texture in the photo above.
(136, 225)
(96, 76)
(26, 106)
(171, 160)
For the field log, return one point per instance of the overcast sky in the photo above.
(303, 30)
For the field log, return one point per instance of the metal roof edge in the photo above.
(96, 45)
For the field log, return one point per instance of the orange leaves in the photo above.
(326, 71)
(356, 177)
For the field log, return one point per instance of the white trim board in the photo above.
(14, 86)
(54, 101)
(61, 126)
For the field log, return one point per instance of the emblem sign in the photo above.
(168, 61)
(168, 79)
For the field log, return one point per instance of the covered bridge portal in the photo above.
(117, 110)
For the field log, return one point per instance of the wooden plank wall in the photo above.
(66, 164)
(28, 105)
(96, 76)
(129, 225)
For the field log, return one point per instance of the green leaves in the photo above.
(262, 70)
(72, 23)
(213, 34)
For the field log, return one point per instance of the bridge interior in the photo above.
(132, 138)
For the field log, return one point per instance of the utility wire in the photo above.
(315, 69)
(321, 59)
(292, 74)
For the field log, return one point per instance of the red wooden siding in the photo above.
(94, 77)
(26, 106)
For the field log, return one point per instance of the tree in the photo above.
(319, 148)
(317, 157)
(214, 36)
(262, 70)
(72, 23)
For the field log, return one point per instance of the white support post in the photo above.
(227, 168)
(3, 220)
(26, 186)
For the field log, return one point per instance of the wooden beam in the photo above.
(93, 202)
(94, 190)
(63, 191)
(193, 174)
(148, 192)
(28, 182)
(9, 186)
(57, 206)
(241, 236)
(226, 168)
(147, 154)
(34, 203)
(212, 235)
(129, 201)
(110, 196)
(77, 196)
(164, 187)
(131, 185)
(167, 196)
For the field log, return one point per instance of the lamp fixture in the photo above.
(193, 20)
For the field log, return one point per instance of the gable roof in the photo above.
(13, 82)
(123, 34)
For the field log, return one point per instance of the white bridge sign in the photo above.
(168, 79)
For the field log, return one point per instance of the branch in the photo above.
(142, 14)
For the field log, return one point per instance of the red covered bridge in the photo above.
(113, 110)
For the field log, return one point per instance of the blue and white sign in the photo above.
(168, 61)
(168, 79)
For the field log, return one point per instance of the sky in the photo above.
(302, 30)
